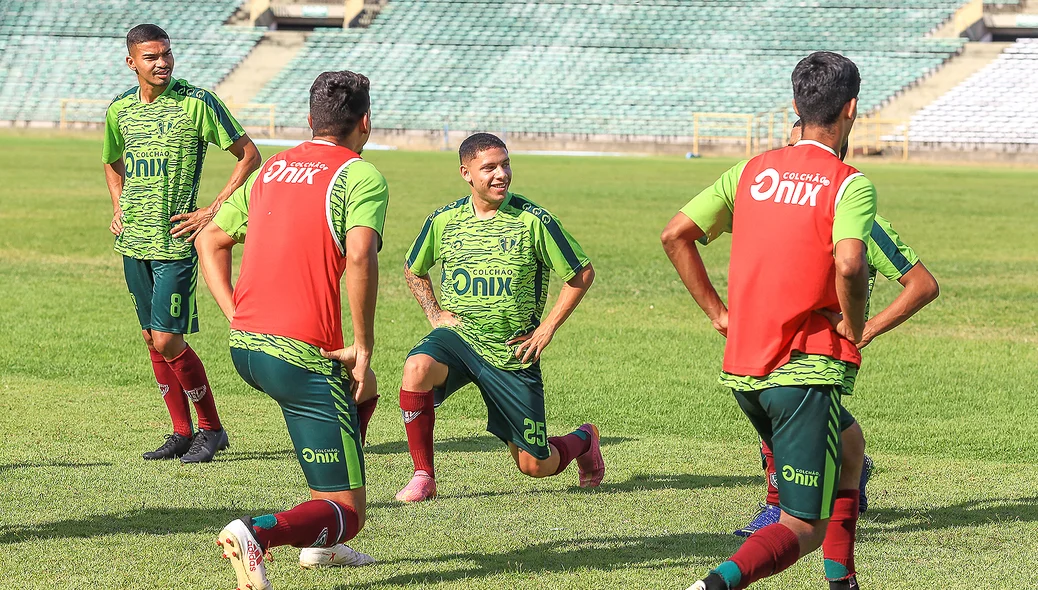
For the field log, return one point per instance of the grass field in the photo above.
(947, 402)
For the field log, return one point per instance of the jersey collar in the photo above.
(321, 142)
(169, 88)
(816, 144)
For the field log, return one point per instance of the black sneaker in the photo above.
(850, 583)
(205, 445)
(175, 446)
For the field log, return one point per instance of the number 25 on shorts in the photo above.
(536, 433)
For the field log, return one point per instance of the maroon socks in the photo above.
(172, 394)
(317, 523)
(191, 374)
(419, 419)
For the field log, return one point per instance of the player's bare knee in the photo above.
(530, 465)
(169, 345)
(416, 372)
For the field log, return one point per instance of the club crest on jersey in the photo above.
(506, 244)
(790, 188)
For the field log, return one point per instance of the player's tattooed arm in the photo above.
(422, 289)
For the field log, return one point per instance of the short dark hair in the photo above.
(479, 142)
(143, 34)
(823, 83)
(338, 101)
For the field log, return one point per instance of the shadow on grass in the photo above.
(600, 553)
(636, 483)
(255, 455)
(149, 521)
(966, 514)
(471, 444)
(58, 464)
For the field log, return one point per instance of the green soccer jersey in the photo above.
(360, 197)
(712, 210)
(494, 272)
(162, 145)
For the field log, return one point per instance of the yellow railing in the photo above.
(722, 127)
(770, 130)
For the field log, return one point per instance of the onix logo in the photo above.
(799, 476)
(767, 185)
(491, 286)
(320, 456)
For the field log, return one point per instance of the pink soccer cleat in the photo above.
(591, 465)
(421, 487)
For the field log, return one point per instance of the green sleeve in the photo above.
(712, 208)
(233, 216)
(555, 247)
(114, 143)
(424, 252)
(887, 254)
(855, 211)
(367, 199)
(213, 119)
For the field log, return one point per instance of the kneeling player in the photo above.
(320, 210)
(496, 249)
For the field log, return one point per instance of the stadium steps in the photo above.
(956, 70)
(273, 52)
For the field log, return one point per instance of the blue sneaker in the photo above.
(866, 473)
(767, 515)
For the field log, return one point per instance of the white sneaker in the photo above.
(336, 556)
(700, 585)
(245, 554)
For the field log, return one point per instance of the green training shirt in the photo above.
(360, 197)
(162, 144)
(712, 210)
(494, 272)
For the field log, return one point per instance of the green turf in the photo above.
(947, 402)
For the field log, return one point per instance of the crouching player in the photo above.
(496, 249)
(319, 212)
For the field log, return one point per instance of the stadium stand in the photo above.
(995, 105)
(612, 67)
(55, 49)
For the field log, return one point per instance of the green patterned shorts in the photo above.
(163, 293)
(515, 399)
(802, 425)
(320, 414)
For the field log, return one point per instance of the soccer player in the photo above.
(889, 256)
(495, 249)
(309, 215)
(798, 286)
(155, 140)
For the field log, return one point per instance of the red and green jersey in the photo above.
(712, 210)
(494, 272)
(162, 145)
(356, 197)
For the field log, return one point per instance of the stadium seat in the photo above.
(995, 105)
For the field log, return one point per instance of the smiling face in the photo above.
(152, 61)
(489, 173)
